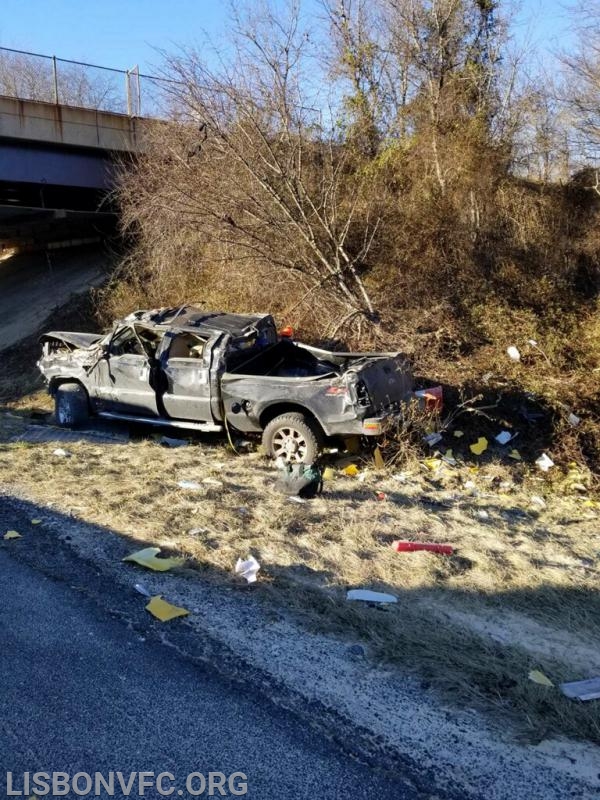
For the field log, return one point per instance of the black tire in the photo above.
(71, 409)
(293, 437)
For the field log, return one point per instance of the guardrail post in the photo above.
(55, 76)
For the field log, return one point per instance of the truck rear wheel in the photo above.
(71, 405)
(292, 437)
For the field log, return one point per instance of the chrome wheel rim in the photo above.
(290, 445)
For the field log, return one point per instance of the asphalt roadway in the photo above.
(81, 690)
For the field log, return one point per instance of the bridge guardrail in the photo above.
(33, 76)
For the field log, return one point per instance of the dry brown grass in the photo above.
(520, 592)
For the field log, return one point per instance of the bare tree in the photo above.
(252, 171)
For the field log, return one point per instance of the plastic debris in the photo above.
(515, 455)
(538, 677)
(432, 438)
(433, 398)
(295, 499)
(573, 419)
(148, 558)
(367, 596)
(328, 474)
(60, 452)
(351, 470)
(544, 462)
(432, 464)
(212, 482)
(248, 569)
(504, 437)
(380, 496)
(513, 353)
(538, 502)
(197, 531)
(582, 690)
(448, 458)
(480, 446)
(432, 547)
(141, 589)
(483, 514)
(12, 535)
(36, 521)
(165, 611)
(188, 485)
(378, 459)
(458, 434)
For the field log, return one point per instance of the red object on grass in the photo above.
(381, 495)
(410, 547)
(433, 397)
(287, 332)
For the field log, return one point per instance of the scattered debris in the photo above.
(538, 502)
(36, 521)
(148, 558)
(352, 470)
(433, 398)
(538, 677)
(448, 458)
(582, 690)
(170, 441)
(458, 434)
(432, 464)
(504, 437)
(212, 482)
(483, 514)
(432, 439)
(188, 485)
(513, 353)
(515, 455)
(141, 589)
(300, 480)
(573, 419)
(479, 447)
(328, 474)
(378, 458)
(380, 496)
(412, 547)
(248, 569)
(12, 535)
(197, 531)
(544, 462)
(165, 611)
(368, 596)
(295, 499)
(60, 452)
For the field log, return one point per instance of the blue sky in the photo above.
(122, 33)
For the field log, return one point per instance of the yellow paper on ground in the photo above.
(432, 463)
(147, 558)
(458, 434)
(351, 470)
(328, 474)
(515, 455)
(480, 446)
(36, 521)
(12, 535)
(378, 459)
(538, 677)
(164, 611)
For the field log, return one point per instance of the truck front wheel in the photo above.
(293, 438)
(71, 405)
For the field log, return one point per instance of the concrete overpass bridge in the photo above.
(58, 150)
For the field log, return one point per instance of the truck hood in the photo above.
(82, 341)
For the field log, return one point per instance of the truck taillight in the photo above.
(335, 390)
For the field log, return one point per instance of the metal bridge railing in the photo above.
(32, 76)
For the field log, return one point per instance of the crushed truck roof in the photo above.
(193, 318)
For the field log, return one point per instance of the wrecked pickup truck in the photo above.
(188, 368)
